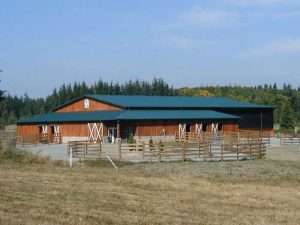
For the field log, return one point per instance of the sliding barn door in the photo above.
(95, 131)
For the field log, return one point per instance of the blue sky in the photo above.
(188, 43)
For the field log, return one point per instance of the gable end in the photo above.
(86, 104)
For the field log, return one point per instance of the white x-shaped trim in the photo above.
(56, 130)
(214, 127)
(95, 131)
(198, 128)
(182, 128)
(44, 129)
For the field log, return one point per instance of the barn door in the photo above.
(214, 128)
(43, 137)
(56, 134)
(182, 130)
(95, 132)
(198, 129)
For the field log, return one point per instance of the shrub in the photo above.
(131, 139)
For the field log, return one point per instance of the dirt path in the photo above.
(287, 152)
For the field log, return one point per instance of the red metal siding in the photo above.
(94, 106)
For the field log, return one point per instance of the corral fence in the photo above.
(182, 151)
(289, 139)
(242, 136)
(38, 139)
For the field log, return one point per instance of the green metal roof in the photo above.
(173, 114)
(183, 102)
(127, 115)
(71, 117)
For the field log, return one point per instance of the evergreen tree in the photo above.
(1, 93)
(286, 100)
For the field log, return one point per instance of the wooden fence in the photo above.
(38, 139)
(289, 140)
(184, 151)
(243, 136)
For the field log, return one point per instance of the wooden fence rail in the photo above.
(242, 136)
(38, 139)
(284, 140)
(184, 151)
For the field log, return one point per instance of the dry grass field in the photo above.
(36, 191)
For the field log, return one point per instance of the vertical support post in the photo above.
(206, 149)
(143, 148)
(119, 149)
(222, 152)
(184, 151)
(237, 152)
(260, 150)
(118, 130)
(71, 157)
(159, 153)
(85, 150)
(250, 151)
(100, 149)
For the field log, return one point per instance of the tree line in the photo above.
(286, 100)
(13, 108)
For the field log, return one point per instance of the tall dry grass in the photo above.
(9, 153)
(249, 192)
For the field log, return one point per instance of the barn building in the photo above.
(113, 117)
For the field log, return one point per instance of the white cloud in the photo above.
(287, 46)
(208, 17)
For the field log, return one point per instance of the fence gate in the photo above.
(95, 132)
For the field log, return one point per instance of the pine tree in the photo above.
(1, 94)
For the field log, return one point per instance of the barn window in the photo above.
(86, 103)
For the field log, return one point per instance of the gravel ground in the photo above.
(55, 152)
(285, 152)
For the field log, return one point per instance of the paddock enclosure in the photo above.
(214, 148)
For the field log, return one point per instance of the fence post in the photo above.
(85, 150)
(222, 152)
(120, 149)
(143, 149)
(260, 150)
(100, 149)
(183, 151)
(70, 157)
(237, 152)
(250, 146)
(280, 137)
(159, 153)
